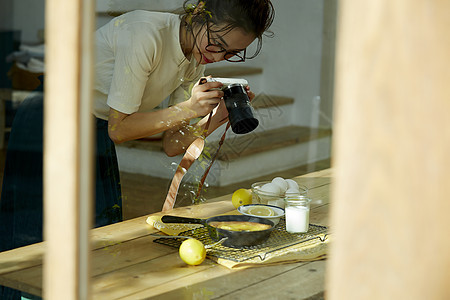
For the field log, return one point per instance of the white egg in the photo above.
(292, 184)
(281, 183)
(271, 189)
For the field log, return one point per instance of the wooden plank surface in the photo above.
(29, 256)
(289, 281)
(127, 264)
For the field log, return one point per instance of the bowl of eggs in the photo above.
(273, 192)
(270, 212)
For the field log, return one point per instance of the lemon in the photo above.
(241, 197)
(262, 211)
(192, 252)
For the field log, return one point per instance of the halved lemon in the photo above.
(262, 211)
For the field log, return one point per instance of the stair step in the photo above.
(248, 144)
(144, 144)
(266, 101)
(253, 143)
(248, 157)
(245, 156)
(232, 71)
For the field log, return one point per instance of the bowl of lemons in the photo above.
(265, 211)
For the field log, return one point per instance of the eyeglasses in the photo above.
(231, 56)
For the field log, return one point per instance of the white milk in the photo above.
(297, 219)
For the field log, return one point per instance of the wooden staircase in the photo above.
(274, 146)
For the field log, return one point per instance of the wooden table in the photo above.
(127, 264)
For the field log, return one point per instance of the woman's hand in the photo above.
(220, 112)
(250, 94)
(205, 97)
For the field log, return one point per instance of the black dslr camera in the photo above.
(240, 111)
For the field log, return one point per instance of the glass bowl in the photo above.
(262, 197)
(278, 212)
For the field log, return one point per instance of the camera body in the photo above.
(240, 111)
(227, 81)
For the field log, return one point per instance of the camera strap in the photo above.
(192, 153)
(202, 181)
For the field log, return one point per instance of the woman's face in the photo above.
(230, 42)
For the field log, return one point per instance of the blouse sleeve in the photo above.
(134, 52)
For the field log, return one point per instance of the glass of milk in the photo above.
(297, 213)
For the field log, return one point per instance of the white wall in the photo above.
(29, 17)
(291, 59)
(6, 19)
(127, 5)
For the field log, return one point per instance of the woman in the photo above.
(142, 58)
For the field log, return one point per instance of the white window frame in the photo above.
(68, 148)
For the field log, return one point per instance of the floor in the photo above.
(145, 194)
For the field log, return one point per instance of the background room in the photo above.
(292, 77)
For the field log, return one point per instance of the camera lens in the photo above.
(240, 112)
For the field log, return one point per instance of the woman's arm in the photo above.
(124, 127)
(178, 138)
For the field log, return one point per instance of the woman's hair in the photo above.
(253, 16)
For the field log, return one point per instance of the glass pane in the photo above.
(292, 78)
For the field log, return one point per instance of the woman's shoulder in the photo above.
(150, 17)
(142, 24)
